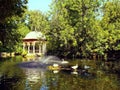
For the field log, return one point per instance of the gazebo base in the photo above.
(34, 55)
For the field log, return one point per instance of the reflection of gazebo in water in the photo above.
(35, 43)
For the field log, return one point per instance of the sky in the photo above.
(42, 5)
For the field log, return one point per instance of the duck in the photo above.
(64, 62)
(55, 71)
(86, 67)
(55, 65)
(75, 67)
(74, 72)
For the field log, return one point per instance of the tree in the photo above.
(72, 25)
(11, 8)
(38, 21)
(111, 24)
(12, 33)
(9, 20)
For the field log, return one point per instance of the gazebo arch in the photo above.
(35, 43)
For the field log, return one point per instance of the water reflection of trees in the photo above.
(70, 82)
(102, 81)
(12, 78)
(15, 78)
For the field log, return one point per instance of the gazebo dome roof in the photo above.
(35, 35)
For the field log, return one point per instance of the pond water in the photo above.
(18, 74)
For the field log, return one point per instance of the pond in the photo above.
(18, 74)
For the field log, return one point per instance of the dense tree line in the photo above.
(84, 28)
(73, 28)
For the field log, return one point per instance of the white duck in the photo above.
(55, 65)
(86, 67)
(64, 62)
(74, 72)
(55, 71)
(75, 67)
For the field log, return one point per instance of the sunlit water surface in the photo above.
(20, 74)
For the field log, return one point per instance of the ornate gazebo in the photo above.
(34, 43)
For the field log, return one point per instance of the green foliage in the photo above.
(9, 21)
(111, 23)
(10, 8)
(78, 27)
(37, 21)
(10, 34)
(24, 53)
(72, 26)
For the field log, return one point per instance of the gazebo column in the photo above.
(33, 44)
(39, 48)
(28, 44)
(44, 48)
